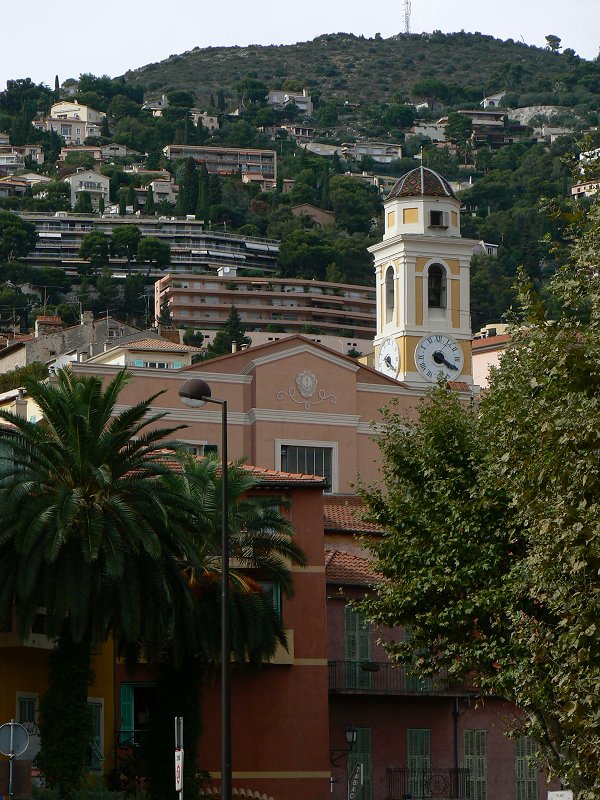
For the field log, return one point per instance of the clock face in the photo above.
(439, 355)
(388, 360)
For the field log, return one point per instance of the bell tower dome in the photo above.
(422, 270)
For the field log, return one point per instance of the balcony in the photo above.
(429, 784)
(381, 677)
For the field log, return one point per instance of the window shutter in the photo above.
(127, 727)
(361, 754)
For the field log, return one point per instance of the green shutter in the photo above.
(475, 760)
(177, 365)
(418, 748)
(127, 726)
(525, 770)
(361, 754)
(357, 649)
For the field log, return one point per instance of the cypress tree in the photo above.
(149, 206)
(221, 100)
(56, 88)
(203, 205)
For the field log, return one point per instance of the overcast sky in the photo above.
(43, 39)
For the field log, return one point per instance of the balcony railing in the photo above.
(428, 784)
(381, 677)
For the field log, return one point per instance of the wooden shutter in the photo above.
(475, 760)
(127, 727)
(525, 771)
(418, 748)
(357, 649)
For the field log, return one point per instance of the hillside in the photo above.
(353, 68)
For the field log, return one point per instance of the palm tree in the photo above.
(262, 550)
(94, 528)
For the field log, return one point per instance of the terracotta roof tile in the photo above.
(459, 386)
(264, 475)
(420, 182)
(157, 344)
(345, 513)
(490, 341)
(348, 568)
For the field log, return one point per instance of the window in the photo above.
(361, 754)
(389, 294)
(418, 751)
(311, 459)
(438, 219)
(95, 757)
(436, 286)
(273, 590)
(137, 703)
(475, 760)
(199, 448)
(525, 771)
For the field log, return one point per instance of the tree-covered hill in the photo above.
(356, 69)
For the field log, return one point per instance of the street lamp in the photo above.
(351, 734)
(196, 393)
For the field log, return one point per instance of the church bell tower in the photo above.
(422, 270)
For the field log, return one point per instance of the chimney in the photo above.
(87, 318)
(20, 409)
(234, 347)
(46, 325)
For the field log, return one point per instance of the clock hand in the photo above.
(440, 358)
(388, 361)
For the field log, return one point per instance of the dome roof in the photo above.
(420, 182)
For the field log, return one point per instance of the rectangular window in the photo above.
(418, 751)
(361, 757)
(475, 760)
(26, 709)
(526, 773)
(95, 757)
(309, 460)
(273, 590)
(137, 701)
(391, 219)
(410, 216)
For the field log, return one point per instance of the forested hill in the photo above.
(361, 70)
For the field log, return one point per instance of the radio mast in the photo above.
(406, 16)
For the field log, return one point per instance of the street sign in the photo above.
(566, 794)
(356, 781)
(13, 739)
(178, 770)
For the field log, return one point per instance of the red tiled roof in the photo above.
(490, 341)
(264, 475)
(348, 568)
(157, 344)
(55, 320)
(345, 513)
(421, 182)
(459, 386)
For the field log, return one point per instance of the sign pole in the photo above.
(179, 757)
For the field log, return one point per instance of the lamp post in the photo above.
(196, 393)
(351, 735)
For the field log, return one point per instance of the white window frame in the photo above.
(333, 446)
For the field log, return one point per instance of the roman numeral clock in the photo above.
(422, 270)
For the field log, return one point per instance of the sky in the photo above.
(110, 37)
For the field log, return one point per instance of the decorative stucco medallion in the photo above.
(306, 383)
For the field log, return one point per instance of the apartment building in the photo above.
(227, 160)
(193, 247)
(73, 122)
(204, 302)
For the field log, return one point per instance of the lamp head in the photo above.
(194, 392)
(351, 734)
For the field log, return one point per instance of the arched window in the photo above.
(436, 286)
(389, 294)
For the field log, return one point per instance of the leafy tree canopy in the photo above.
(17, 237)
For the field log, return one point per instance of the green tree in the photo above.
(154, 252)
(251, 91)
(149, 205)
(354, 202)
(124, 241)
(553, 42)
(17, 237)
(495, 565)
(431, 89)
(93, 529)
(83, 205)
(95, 248)
(187, 180)
(232, 332)
(459, 127)
(83, 160)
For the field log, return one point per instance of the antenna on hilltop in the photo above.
(407, 16)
